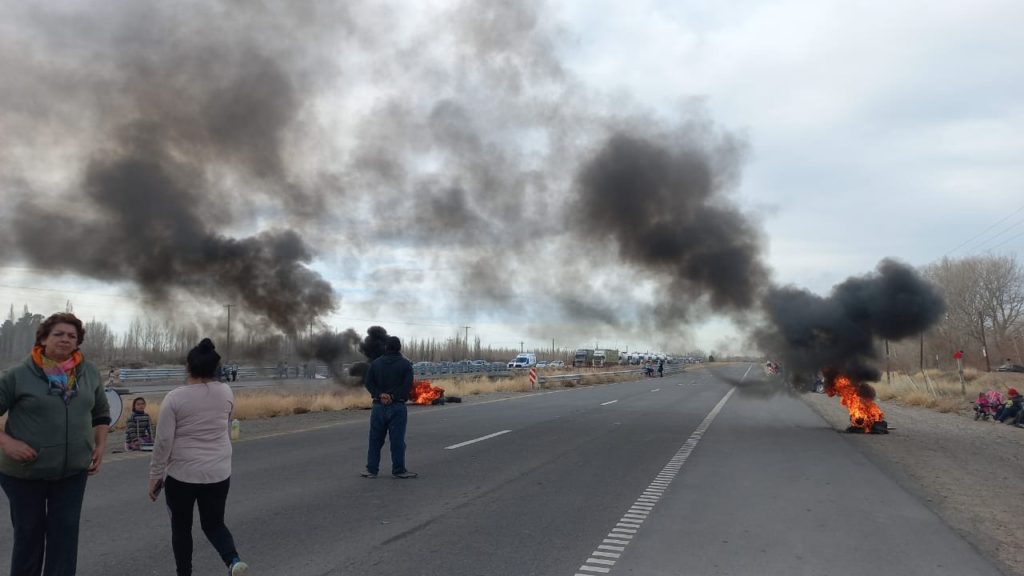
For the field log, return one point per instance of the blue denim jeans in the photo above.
(387, 421)
(45, 515)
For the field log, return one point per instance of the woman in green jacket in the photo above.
(55, 437)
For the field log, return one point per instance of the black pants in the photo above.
(45, 515)
(181, 499)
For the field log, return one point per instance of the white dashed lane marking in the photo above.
(608, 402)
(475, 440)
(608, 552)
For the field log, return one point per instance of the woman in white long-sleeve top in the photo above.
(192, 459)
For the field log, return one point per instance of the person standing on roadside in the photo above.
(56, 433)
(192, 459)
(389, 382)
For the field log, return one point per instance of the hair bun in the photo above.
(206, 345)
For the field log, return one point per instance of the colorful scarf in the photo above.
(60, 375)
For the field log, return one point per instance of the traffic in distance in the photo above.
(583, 358)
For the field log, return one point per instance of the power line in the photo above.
(1007, 241)
(984, 232)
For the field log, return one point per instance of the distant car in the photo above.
(556, 364)
(1010, 368)
(542, 364)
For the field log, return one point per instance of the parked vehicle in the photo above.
(583, 357)
(605, 357)
(556, 364)
(525, 360)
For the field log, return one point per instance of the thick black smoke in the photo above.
(661, 206)
(372, 347)
(335, 349)
(181, 123)
(838, 334)
(154, 224)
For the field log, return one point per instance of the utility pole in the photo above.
(229, 307)
(467, 340)
(888, 373)
(984, 345)
(922, 352)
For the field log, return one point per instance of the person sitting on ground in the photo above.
(138, 428)
(1010, 410)
(981, 406)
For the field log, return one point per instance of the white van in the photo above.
(523, 361)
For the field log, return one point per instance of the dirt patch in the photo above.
(970, 473)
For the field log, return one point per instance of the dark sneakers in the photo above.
(405, 474)
(368, 474)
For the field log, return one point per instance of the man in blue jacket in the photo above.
(389, 381)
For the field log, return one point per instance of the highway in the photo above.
(698, 473)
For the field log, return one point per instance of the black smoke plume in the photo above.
(372, 347)
(334, 350)
(838, 334)
(660, 203)
(155, 225)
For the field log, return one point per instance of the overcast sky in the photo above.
(434, 157)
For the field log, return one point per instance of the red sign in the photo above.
(958, 355)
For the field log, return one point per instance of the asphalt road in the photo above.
(693, 474)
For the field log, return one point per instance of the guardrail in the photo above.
(578, 378)
(244, 372)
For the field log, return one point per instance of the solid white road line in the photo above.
(656, 390)
(609, 402)
(475, 440)
(631, 521)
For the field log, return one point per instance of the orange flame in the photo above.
(423, 392)
(863, 410)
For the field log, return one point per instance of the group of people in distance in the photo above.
(58, 420)
(991, 404)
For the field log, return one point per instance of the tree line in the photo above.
(984, 318)
(148, 342)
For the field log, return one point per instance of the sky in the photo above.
(624, 174)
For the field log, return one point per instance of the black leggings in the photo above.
(181, 498)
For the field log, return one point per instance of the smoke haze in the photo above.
(837, 334)
(445, 163)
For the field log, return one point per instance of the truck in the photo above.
(583, 357)
(605, 357)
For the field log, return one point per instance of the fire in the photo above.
(859, 401)
(423, 392)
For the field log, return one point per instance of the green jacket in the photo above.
(61, 434)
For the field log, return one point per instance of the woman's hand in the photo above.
(155, 486)
(97, 459)
(17, 449)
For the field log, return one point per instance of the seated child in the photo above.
(138, 432)
(1009, 411)
(982, 409)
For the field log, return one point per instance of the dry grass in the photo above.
(269, 404)
(941, 391)
(251, 406)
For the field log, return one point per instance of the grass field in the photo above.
(942, 391)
